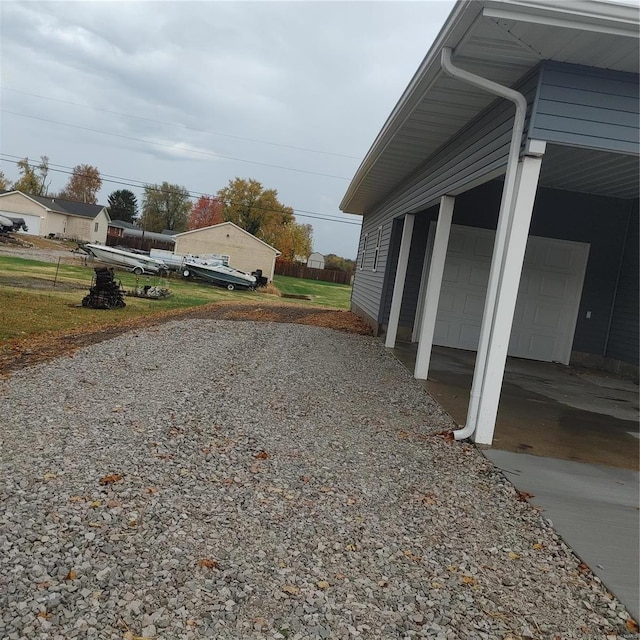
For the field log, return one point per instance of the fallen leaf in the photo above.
(447, 435)
(76, 499)
(322, 584)
(43, 614)
(133, 523)
(383, 583)
(514, 556)
(305, 478)
(584, 567)
(49, 476)
(43, 585)
(113, 503)
(436, 585)
(429, 499)
(468, 580)
(72, 575)
(261, 455)
(111, 479)
(523, 496)
(340, 576)
(96, 525)
(351, 547)
(94, 504)
(290, 589)
(632, 625)
(537, 546)
(208, 564)
(151, 490)
(192, 623)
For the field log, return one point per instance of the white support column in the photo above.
(398, 285)
(434, 283)
(506, 296)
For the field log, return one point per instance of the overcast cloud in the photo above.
(200, 76)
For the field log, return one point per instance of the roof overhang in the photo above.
(500, 40)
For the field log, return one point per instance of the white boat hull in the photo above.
(133, 261)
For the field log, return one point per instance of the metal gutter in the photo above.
(503, 220)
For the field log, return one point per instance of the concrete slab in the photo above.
(545, 409)
(595, 510)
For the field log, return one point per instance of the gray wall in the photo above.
(586, 107)
(478, 152)
(623, 337)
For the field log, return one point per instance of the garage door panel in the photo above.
(469, 335)
(479, 276)
(548, 295)
(447, 302)
(546, 317)
(473, 305)
(451, 273)
(483, 247)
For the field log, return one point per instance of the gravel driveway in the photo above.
(219, 479)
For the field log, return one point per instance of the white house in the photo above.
(52, 216)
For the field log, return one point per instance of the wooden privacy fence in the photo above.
(145, 244)
(294, 270)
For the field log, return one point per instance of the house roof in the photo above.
(122, 224)
(223, 224)
(67, 207)
(500, 40)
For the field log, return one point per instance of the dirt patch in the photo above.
(20, 353)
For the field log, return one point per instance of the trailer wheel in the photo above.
(231, 286)
(138, 271)
(186, 273)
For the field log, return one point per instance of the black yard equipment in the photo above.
(105, 292)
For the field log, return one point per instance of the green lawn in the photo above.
(328, 294)
(31, 304)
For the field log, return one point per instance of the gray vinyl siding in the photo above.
(623, 336)
(477, 153)
(367, 283)
(587, 107)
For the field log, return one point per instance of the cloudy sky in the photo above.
(196, 93)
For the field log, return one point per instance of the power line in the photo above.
(184, 126)
(169, 146)
(133, 182)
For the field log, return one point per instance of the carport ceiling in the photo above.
(501, 40)
(588, 171)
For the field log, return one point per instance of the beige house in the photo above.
(52, 216)
(246, 252)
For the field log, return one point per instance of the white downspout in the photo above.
(506, 207)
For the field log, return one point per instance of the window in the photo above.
(376, 253)
(364, 251)
(95, 227)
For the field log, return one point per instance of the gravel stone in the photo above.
(240, 480)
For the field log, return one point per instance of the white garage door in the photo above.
(32, 222)
(548, 297)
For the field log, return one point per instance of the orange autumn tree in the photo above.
(206, 212)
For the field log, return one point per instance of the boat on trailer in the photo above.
(136, 262)
(218, 273)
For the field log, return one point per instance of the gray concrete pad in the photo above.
(595, 510)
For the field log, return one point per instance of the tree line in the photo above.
(167, 206)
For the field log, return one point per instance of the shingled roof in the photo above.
(69, 207)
